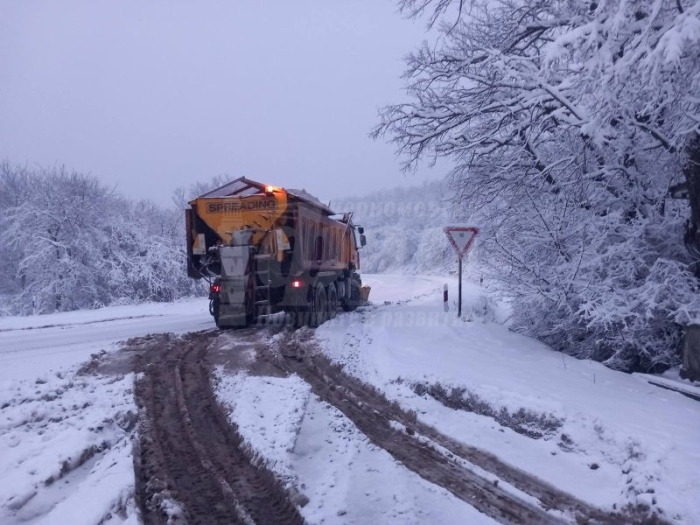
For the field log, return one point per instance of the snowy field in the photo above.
(610, 438)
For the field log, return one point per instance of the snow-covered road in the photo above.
(609, 438)
(36, 345)
(32, 346)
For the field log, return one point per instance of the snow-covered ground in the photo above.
(625, 440)
(30, 346)
(65, 450)
(607, 437)
(65, 437)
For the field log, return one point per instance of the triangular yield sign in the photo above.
(461, 238)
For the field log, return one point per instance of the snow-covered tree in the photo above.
(182, 195)
(567, 123)
(67, 242)
(404, 228)
(145, 257)
(54, 231)
(13, 191)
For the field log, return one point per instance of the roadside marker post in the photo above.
(461, 238)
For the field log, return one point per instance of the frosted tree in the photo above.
(182, 195)
(145, 258)
(403, 228)
(53, 232)
(13, 191)
(566, 123)
(67, 242)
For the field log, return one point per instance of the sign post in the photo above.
(461, 238)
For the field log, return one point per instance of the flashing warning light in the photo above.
(297, 284)
(215, 288)
(269, 189)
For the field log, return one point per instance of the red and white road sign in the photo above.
(461, 238)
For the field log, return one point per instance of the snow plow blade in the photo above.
(364, 293)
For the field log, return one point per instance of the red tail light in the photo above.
(297, 284)
(215, 288)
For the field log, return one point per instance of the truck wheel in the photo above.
(332, 301)
(354, 301)
(214, 310)
(319, 307)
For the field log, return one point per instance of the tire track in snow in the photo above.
(191, 465)
(188, 452)
(429, 453)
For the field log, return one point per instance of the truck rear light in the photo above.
(215, 288)
(297, 284)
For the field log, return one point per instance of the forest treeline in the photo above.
(69, 242)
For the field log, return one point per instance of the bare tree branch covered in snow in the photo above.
(67, 242)
(567, 123)
(182, 195)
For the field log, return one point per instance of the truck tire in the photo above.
(319, 307)
(214, 310)
(354, 301)
(332, 301)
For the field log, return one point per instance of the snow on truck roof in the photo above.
(242, 187)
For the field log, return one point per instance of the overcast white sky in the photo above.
(153, 95)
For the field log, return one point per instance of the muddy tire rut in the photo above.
(191, 464)
(431, 454)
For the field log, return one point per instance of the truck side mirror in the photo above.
(361, 230)
(363, 240)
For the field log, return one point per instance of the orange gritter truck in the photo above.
(265, 249)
